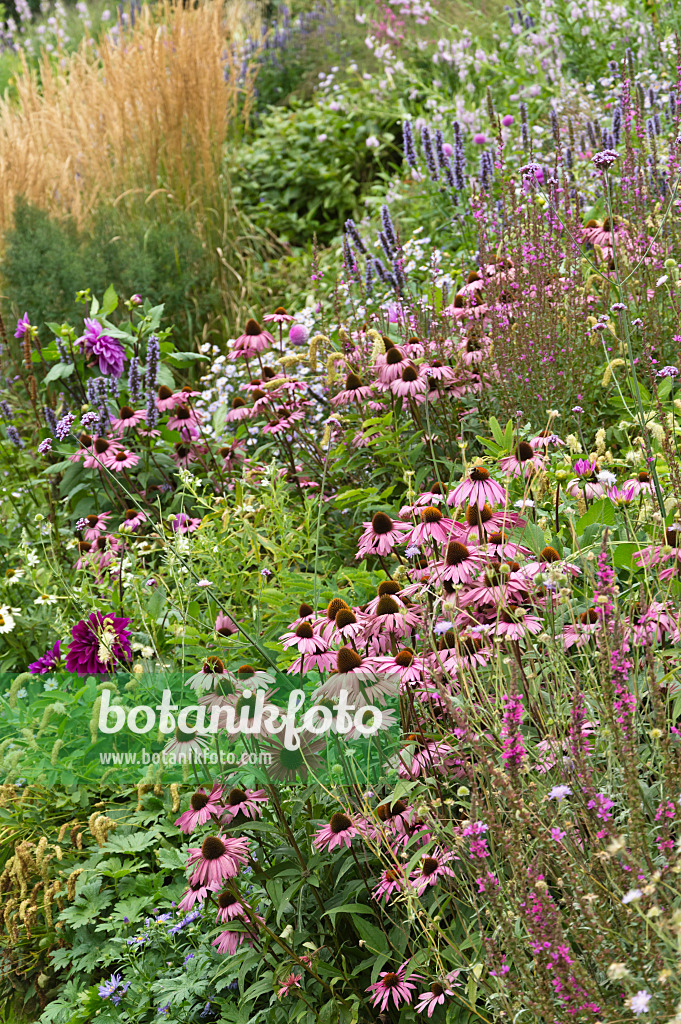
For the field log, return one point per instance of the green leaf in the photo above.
(534, 536)
(602, 512)
(133, 843)
(497, 432)
(347, 908)
(623, 555)
(376, 940)
(110, 301)
(59, 371)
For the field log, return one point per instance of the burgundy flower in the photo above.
(99, 643)
(47, 662)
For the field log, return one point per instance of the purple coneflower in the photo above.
(280, 316)
(121, 461)
(381, 535)
(477, 489)
(228, 941)
(432, 867)
(253, 341)
(460, 563)
(410, 384)
(246, 802)
(196, 893)
(391, 880)
(132, 518)
(354, 391)
(392, 983)
(217, 858)
(581, 631)
(293, 981)
(229, 908)
(361, 678)
(514, 623)
(201, 806)
(640, 484)
(95, 525)
(435, 996)
(186, 421)
(340, 831)
(524, 461)
(433, 526)
(127, 418)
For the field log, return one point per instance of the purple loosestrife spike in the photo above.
(153, 360)
(459, 158)
(369, 278)
(13, 436)
(428, 152)
(408, 142)
(134, 382)
(6, 411)
(50, 420)
(351, 230)
(388, 227)
(524, 128)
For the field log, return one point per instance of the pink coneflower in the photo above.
(228, 941)
(499, 547)
(392, 983)
(96, 525)
(201, 806)
(346, 628)
(354, 391)
(186, 421)
(433, 526)
(389, 367)
(229, 908)
(434, 756)
(280, 316)
(435, 996)
(640, 484)
(410, 384)
(381, 535)
(239, 411)
(217, 858)
(477, 489)
(340, 831)
(514, 623)
(460, 563)
(487, 520)
(581, 631)
(524, 461)
(196, 894)
(293, 981)
(132, 518)
(408, 668)
(251, 342)
(166, 400)
(391, 616)
(363, 680)
(99, 643)
(654, 554)
(184, 454)
(494, 587)
(121, 461)
(460, 650)
(543, 440)
(433, 496)
(391, 880)
(100, 453)
(244, 801)
(432, 867)
(305, 639)
(185, 746)
(653, 624)
(127, 418)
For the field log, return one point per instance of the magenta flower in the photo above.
(196, 893)
(293, 981)
(108, 352)
(381, 535)
(246, 802)
(23, 326)
(228, 941)
(354, 391)
(182, 523)
(391, 880)
(460, 563)
(340, 831)
(121, 461)
(477, 488)
(218, 858)
(410, 384)
(201, 806)
(432, 868)
(392, 983)
(433, 526)
(47, 662)
(229, 908)
(99, 643)
(435, 996)
(253, 341)
(95, 525)
(524, 461)
(280, 316)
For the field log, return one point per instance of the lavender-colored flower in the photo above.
(108, 352)
(605, 159)
(429, 153)
(388, 227)
(88, 420)
(459, 158)
(153, 360)
(351, 230)
(6, 410)
(14, 438)
(524, 128)
(50, 420)
(64, 426)
(134, 380)
(369, 277)
(443, 158)
(408, 142)
(668, 371)
(45, 446)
